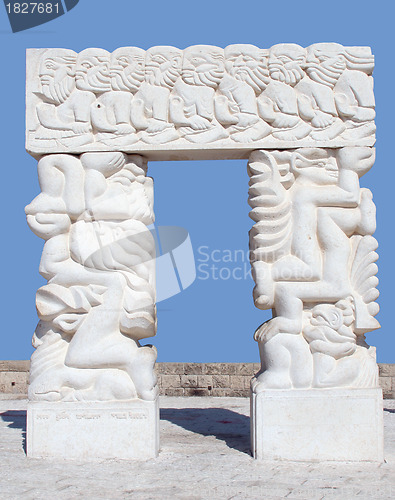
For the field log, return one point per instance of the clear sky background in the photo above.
(212, 320)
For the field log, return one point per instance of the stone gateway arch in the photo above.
(304, 119)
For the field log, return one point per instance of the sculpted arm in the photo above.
(352, 163)
(82, 106)
(48, 117)
(361, 86)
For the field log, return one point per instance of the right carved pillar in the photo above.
(313, 260)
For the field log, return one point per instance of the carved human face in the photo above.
(93, 71)
(314, 166)
(286, 62)
(248, 64)
(325, 62)
(163, 66)
(127, 68)
(57, 75)
(203, 65)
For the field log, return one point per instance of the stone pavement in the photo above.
(204, 455)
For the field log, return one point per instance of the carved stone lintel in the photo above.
(204, 102)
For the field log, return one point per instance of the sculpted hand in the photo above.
(274, 326)
(364, 115)
(155, 126)
(48, 225)
(283, 120)
(124, 129)
(359, 160)
(246, 120)
(322, 120)
(81, 127)
(199, 123)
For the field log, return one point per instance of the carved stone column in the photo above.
(93, 390)
(313, 259)
(305, 118)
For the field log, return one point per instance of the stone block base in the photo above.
(97, 430)
(315, 425)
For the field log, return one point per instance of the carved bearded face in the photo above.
(57, 75)
(163, 66)
(286, 62)
(203, 65)
(248, 64)
(93, 71)
(325, 62)
(127, 68)
(315, 165)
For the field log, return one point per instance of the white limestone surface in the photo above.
(313, 258)
(203, 102)
(204, 455)
(94, 430)
(318, 425)
(99, 260)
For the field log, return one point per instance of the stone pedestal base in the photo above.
(315, 424)
(97, 430)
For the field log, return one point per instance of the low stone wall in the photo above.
(183, 379)
(14, 377)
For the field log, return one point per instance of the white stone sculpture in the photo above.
(230, 101)
(313, 258)
(305, 119)
(192, 99)
(98, 258)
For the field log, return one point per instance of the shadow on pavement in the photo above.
(227, 425)
(16, 420)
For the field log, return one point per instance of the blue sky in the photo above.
(213, 319)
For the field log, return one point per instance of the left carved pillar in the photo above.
(93, 391)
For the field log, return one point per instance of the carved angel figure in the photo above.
(313, 230)
(98, 259)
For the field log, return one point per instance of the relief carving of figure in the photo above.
(192, 99)
(112, 109)
(311, 244)
(107, 115)
(236, 105)
(278, 103)
(316, 99)
(346, 70)
(64, 113)
(98, 258)
(150, 106)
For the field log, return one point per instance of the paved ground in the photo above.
(204, 455)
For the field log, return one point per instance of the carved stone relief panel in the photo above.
(214, 102)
